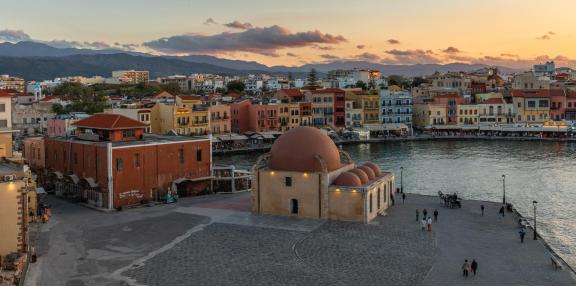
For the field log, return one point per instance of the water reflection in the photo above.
(541, 171)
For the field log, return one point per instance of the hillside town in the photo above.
(128, 140)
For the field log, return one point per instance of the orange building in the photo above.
(263, 118)
(220, 122)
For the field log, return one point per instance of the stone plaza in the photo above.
(215, 240)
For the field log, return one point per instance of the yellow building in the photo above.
(426, 114)
(305, 175)
(181, 120)
(467, 114)
(288, 116)
(370, 104)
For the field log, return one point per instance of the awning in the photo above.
(268, 136)
(256, 136)
(74, 178)
(233, 137)
(215, 140)
(91, 182)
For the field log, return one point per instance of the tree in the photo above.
(361, 84)
(417, 81)
(312, 80)
(235, 86)
(172, 88)
(395, 80)
(58, 108)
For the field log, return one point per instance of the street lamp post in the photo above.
(402, 179)
(535, 232)
(504, 189)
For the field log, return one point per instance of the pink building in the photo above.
(263, 118)
(558, 104)
(240, 116)
(62, 125)
(220, 122)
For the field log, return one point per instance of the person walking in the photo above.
(482, 209)
(502, 211)
(417, 215)
(403, 197)
(424, 212)
(392, 198)
(435, 215)
(522, 234)
(429, 224)
(465, 268)
(423, 223)
(474, 266)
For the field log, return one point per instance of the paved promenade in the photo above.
(214, 240)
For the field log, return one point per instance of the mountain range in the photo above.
(38, 61)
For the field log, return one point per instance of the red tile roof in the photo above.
(292, 92)
(163, 94)
(109, 121)
(50, 98)
(190, 97)
(4, 93)
(540, 93)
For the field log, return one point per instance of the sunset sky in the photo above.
(506, 32)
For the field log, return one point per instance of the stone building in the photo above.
(305, 175)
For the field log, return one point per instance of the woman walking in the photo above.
(465, 268)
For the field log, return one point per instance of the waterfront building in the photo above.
(450, 102)
(306, 176)
(531, 106)
(452, 82)
(429, 114)
(570, 111)
(353, 114)
(495, 110)
(220, 122)
(528, 81)
(131, 76)
(558, 101)
(467, 114)
(328, 107)
(110, 163)
(180, 119)
(263, 118)
(369, 103)
(63, 124)
(396, 107)
(240, 116)
(305, 113)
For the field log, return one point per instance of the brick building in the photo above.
(110, 163)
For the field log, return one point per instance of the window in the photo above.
(128, 133)
(532, 104)
(2, 107)
(4, 123)
(378, 197)
(119, 164)
(199, 155)
(543, 103)
(288, 181)
(136, 160)
(370, 203)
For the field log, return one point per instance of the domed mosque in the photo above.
(305, 175)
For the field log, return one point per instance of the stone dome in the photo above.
(296, 150)
(368, 172)
(348, 179)
(361, 174)
(374, 168)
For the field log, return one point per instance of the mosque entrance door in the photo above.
(294, 206)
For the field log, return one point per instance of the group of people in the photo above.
(469, 267)
(426, 221)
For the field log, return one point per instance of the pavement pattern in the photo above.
(215, 240)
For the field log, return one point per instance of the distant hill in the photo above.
(35, 61)
(40, 68)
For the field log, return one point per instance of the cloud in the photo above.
(97, 45)
(329, 57)
(361, 47)
(547, 36)
(210, 21)
(393, 42)
(256, 40)
(451, 50)
(291, 54)
(238, 25)
(368, 57)
(323, 48)
(509, 55)
(13, 36)
(418, 56)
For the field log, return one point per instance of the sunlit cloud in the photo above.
(239, 25)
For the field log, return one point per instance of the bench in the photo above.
(556, 263)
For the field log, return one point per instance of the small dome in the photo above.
(374, 168)
(296, 151)
(361, 174)
(348, 179)
(368, 172)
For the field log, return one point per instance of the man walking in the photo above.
(502, 211)
(465, 268)
(417, 215)
(435, 215)
(474, 266)
(522, 234)
(482, 209)
(424, 213)
(403, 197)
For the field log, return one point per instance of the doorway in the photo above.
(294, 206)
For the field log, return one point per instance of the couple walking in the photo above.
(469, 267)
